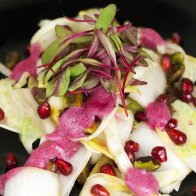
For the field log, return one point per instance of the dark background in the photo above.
(19, 19)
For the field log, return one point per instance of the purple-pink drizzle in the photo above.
(158, 114)
(142, 183)
(150, 38)
(28, 64)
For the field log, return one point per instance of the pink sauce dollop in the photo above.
(142, 183)
(158, 115)
(150, 38)
(28, 64)
(75, 120)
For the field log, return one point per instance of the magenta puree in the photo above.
(158, 115)
(150, 38)
(72, 123)
(142, 183)
(28, 64)
(75, 120)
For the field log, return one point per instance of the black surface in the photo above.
(18, 22)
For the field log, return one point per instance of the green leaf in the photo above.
(62, 32)
(77, 69)
(105, 18)
(55, 67)
(63, 83)
(51, 87)
(116, 40)
(53, 50)
(133, 105)
(82, 40)
(78, 82)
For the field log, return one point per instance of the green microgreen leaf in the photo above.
(116, 40)
(78, 82)
(133, 105)
(62, 32)
(53, 50)
(55, 67)
(63, 83)
(51, 87)
(105, 18)
(77, 69)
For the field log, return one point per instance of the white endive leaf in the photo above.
(186, 116)
(115, 147)
(32, 182)
(21, 116)
(114, 185)
(156, 82)
(78, 161)
(190, 68)
(171, 172)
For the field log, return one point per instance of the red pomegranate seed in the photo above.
(140, 116)
(2, 114)
(163, 98)
(131, 156)
(166, 62)
(194, 190)
(11, 161)
(63, 167)
(171, 124)
(44, 110)
(99, 190)
(187, 97)
(108, 169)
(175, 38)
(131, 146)
(178, 137)
(186, 85)
(159, 153)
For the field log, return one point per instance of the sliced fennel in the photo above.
(156, 82)
(123, 124)
(114, 185)
(20, 114)
(172, 171)
(190, 68)
(186, 117)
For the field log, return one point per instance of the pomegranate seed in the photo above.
(11, 161)
(131, 156)
(166, 62)
(44, 110)
(99, 190)
(175, 38)
(186, 85)
(108, 169)
(171, 124)
(2, 114)
(178, 137)
(194, 190)
(140, 116)
(131, 146)
(187, 97)
(63, 167)
(159, 153)
(163, 98)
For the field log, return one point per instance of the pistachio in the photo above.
(11, 59)
(84, 175)
(147, 163)
(51, 167)
(177, 69)
(39, 94)
(177, 58)
(134, 105)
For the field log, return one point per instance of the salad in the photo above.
(110, 106)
